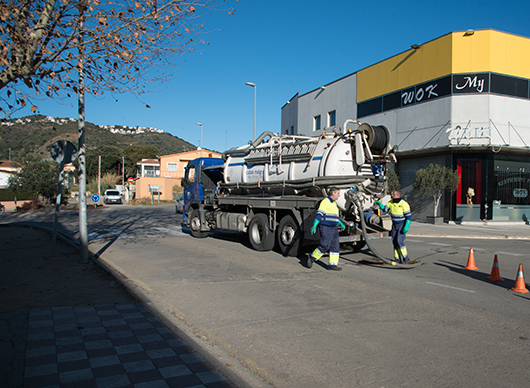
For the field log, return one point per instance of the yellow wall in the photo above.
(484, 51)
(491, 51)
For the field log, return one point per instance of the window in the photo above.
(332, 118)
(189, 177)
(316, 124)
(511, 182)
(172, 167)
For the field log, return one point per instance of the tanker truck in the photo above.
(270, 189)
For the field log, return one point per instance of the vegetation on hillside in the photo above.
(30, 138)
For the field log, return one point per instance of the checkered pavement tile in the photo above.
(109, 346)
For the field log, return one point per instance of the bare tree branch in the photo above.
(130, 45)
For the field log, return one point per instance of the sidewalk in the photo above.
(63, 323)
(471, 230)
(67, 324)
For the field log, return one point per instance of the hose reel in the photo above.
(377, 136)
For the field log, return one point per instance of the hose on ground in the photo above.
(394, 264)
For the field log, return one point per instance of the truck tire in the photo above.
(289, 237)
(195, 225)
(356, 246)
(260, 236)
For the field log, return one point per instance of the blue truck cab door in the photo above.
(193, 182)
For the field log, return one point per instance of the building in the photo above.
(7, 170)
(461, 100)
(159, 176)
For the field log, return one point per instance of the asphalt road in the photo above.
(276, 323)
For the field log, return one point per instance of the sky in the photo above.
(284, 47)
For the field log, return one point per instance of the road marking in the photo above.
(171, 231)
(474, 249)
(510, 254)
(440, 244)
(454, 288)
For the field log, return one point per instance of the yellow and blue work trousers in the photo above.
(329, 242)
(398, 241)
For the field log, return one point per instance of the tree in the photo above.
(134, 153)
(129, 45)
(40, 178)
(393, 180)
(111, 161)
(434, 180)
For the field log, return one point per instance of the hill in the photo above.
(34, 135)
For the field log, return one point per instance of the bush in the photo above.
(9, 195)
(32, 204)
(108, 181)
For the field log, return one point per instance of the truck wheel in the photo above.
(289, 237)
(260, 236)
(356, 246)
(195, 225)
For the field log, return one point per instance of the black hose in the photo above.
(394, 264)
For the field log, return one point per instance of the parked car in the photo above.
(180, 203)
(112, 196)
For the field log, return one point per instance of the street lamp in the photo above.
(201, 136)
(252, 84)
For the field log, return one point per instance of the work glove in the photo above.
(342, 226)
(381, 206)
(406, 227)
(314, 228)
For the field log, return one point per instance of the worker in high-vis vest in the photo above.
(327, 220)
(400, 213)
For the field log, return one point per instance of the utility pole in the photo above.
(83, 229)
(99, 175)
(122, 171)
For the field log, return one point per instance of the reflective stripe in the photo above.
(333, 259)
(399, 211)
(328, 212)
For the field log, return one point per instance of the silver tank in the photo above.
(354, 159)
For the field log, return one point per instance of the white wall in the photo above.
(339, 96)
(417, 127)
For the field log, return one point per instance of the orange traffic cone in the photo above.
(520, 286)
(495, 274)
(471, 261)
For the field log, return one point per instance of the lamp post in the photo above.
(201, 136)
(252, 84)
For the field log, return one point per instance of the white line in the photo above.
(440, 244)
(171, 231)
(454, 288)
(510, 254)
(474, 249)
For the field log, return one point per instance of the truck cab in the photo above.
(200, 181)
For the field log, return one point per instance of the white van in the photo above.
(112, 196)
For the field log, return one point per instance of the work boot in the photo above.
(309, 261)
(334, 268)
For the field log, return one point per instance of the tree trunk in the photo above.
(436, 204)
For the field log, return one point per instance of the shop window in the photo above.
(469, 190)
(511, 183)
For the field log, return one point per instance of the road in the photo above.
(276, 323)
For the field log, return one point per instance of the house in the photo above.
(160, 176)
(7, 169)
